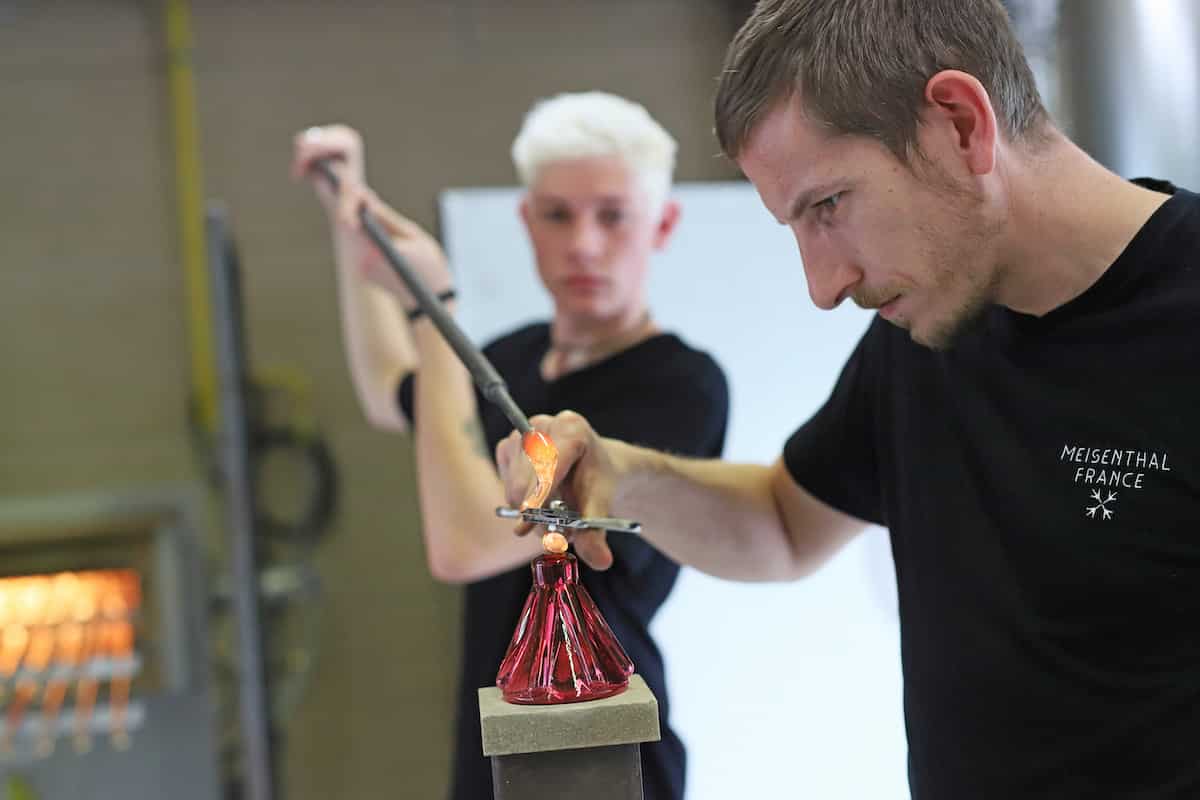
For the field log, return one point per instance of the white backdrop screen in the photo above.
(778, 690)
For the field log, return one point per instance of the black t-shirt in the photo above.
(659, 393)
(1041, 484)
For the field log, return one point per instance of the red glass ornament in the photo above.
(562, 650)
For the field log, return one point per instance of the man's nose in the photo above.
(831, 278)
(587, 239)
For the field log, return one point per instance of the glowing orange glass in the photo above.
(543, 455)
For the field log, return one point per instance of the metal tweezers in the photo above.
(558, 517)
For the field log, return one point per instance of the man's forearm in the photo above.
(718, 517)
(456, 479)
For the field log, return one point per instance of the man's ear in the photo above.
(959, 108)
(667, 221)
(524, 211)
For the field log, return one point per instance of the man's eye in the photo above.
(555, 215)
(829, 203)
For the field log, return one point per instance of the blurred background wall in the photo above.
(95, 366)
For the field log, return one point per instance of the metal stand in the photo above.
(585, 751)
(238, 480)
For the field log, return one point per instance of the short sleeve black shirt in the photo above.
(1041, 484)
(660, 394)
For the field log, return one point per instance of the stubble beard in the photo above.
(963, 255)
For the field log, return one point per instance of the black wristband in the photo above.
(419, 312)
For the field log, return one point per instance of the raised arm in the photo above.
(378, 345)
(457, 482)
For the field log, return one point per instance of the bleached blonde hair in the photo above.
(589, 124)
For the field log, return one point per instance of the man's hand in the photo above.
(586, 477)
(343, 147)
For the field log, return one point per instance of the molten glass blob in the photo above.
(554, 542)
(562, 651)
(543, 455)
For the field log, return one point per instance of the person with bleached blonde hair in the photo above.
(597, 173)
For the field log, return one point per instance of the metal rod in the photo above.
(490, 384)
(238, 480)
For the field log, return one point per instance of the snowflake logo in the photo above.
(1101, 505)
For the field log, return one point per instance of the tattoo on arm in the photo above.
(474, 433)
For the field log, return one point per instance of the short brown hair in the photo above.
(861, 66)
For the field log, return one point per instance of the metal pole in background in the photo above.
(237, 479)
(1131, 84)
(189, 209)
